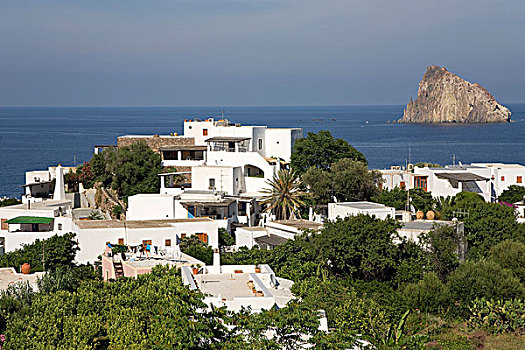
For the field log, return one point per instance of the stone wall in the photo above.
(156, 142)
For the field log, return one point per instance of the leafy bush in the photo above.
(54, 252)
(428, 295)
(199, 250)
(66, 278)
(9, 201)
(510, 255)
(512, 194)
(225, 238)
(498, 316)
(482, 279)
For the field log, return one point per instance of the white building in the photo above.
(230, 157)
(501, 175)
(93, 235)
(24, 223)
(185, 204)
(342, 210)
(273, 233)
(39, 183)
(441, 181)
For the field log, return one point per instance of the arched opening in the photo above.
(253, 171)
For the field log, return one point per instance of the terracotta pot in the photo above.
(259, 294)
(26, 269)
(257, 270)
(195, 270)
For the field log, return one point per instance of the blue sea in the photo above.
(36, 138)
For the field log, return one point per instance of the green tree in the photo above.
(128, 170)
(320, 150)
(284, 195)
(513, 194)
(346, 180)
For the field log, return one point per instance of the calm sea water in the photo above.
(35, 138)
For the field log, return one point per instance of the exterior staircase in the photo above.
(119, 272)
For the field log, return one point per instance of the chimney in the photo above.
(60, 193)
(216, 267)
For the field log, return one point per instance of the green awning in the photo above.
(29, 220)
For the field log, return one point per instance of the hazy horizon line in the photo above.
(224, 106)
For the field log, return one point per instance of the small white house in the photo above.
(342, 210)
(93, 235)
(186, 204)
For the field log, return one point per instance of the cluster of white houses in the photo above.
(225, 167)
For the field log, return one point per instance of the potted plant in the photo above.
(257, 269)
(195, 269)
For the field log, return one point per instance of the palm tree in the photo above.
(284, 197)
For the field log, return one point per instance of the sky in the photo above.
(253, 52)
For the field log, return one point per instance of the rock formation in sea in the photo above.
(444, 97)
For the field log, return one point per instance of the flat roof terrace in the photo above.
(100, 224)
(226, 285)
(363, 205)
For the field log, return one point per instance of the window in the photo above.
(402, 184)
(204, 132)
(121, 241)
(5, 225)
(420, 182)
(212, 184)
(146, 241)
(519, 179)
(167, 242)
(182, 236)
(260, 143)
(60, 227)
(203, 237)
(503, 178)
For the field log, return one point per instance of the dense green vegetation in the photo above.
(513, 194)
(320, 150)
(47, 254)
(373, 284)
(346, 180)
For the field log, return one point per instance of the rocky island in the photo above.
(444, 97)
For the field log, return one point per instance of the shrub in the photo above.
(510, 254)
(498, 316)
(428, 295)
(482, 279)
(199, 250)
